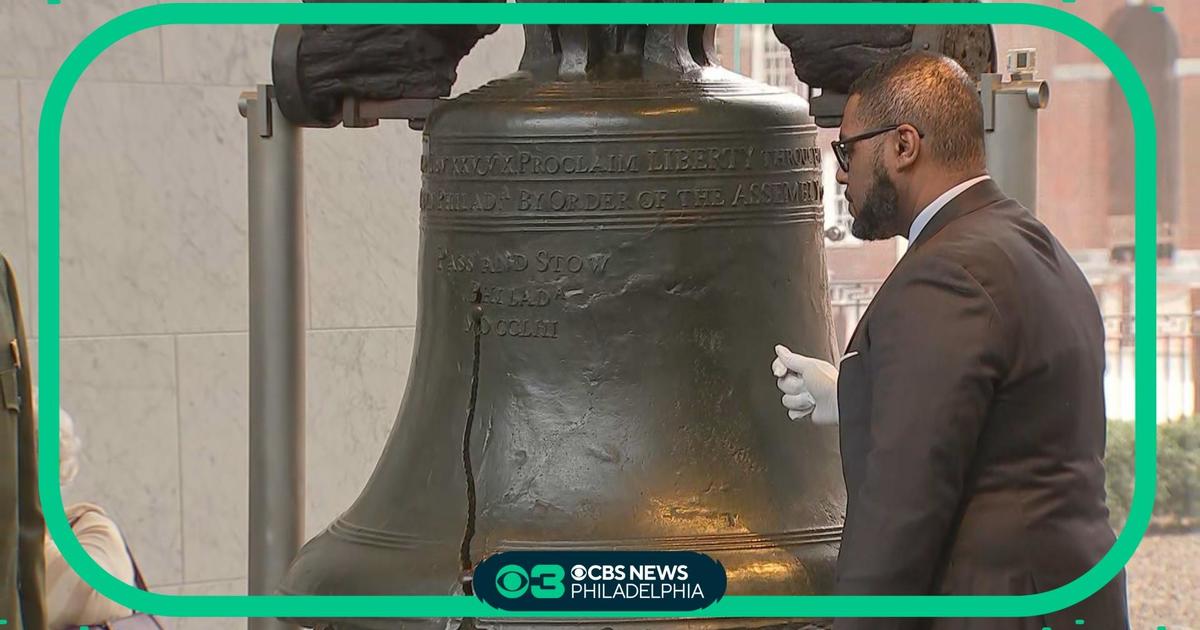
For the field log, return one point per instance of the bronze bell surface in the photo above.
(613, 239)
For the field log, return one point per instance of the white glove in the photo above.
(809, 386)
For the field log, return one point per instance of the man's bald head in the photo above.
(935, 95)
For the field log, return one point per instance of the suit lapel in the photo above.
(981, 195)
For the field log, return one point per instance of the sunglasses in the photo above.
(841, 148)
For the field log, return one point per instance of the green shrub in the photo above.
(1118, 468)
(1179, 471)
(1177, 501)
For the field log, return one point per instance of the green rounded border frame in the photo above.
(98, 41)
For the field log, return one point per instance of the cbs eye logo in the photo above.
(544, 581)
(512, 581)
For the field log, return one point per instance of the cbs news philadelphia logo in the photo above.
(599, 580)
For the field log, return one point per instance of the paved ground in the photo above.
(1164, 582)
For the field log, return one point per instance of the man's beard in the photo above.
(878, 213)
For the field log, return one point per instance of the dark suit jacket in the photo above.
(971, 405)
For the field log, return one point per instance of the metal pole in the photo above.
(758, 44)
(1193, 328)
(737, 48)
(1010, 111)
(277, 323)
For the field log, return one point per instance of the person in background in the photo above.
(71, 602)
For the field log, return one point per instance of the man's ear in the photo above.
(907, 147)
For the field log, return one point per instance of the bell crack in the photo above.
(464, 554)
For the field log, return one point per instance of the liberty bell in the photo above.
(613, 239)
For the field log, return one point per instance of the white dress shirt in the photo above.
(925, 216)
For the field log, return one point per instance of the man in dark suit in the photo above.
(970, 398)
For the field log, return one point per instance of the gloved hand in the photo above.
(809, 386)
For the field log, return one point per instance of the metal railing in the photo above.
(1177, 363)
(849, 301)
(1177, 352)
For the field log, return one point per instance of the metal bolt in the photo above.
(244, 103)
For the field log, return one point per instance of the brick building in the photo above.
(1085, 182)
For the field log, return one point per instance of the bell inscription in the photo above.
(616, 251)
